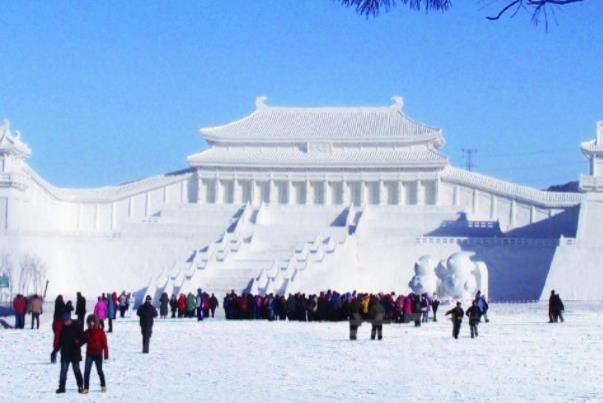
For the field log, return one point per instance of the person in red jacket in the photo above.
(181, 305)
(19, 305)
(97, 348)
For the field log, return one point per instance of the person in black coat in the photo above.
(174, 305)
(213, 304)
(416, 309)
(80, 309)
(146, 312)
(163, 305)
(70, 341)
(435, 303)
(457, 314)
(474, 314)
(555, 307)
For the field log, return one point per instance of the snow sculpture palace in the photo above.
(289, 199)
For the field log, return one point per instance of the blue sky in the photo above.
(108, 92)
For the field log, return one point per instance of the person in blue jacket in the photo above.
(482, 304)
(110, 312)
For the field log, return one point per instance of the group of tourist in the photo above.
(330, 305)
(69, 334)
(23, 305)
(356, 308)
(353, 307)
(189, 305)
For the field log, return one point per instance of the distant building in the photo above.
(290, 198)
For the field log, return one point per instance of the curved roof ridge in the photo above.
(325, 123)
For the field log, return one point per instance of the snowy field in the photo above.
(518, 357)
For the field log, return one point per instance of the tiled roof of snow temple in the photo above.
(268, 124)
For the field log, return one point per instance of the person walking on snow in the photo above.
(164, 301)
(100, 310)
(482, 304)
(199, 305)
(146, 312)
(181, 306)
(110, 312)
(80, 309)
(37, 307)
(57, 325)
(555, 308)
(19, 306)
(97, 347)
(377, 312)
(69, 344)
(213, 304)
(474, 314)
(355, 318)
(435, 303)
(457, 314)
(174, 305)
(122, 302)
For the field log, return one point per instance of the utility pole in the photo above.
(468, 156)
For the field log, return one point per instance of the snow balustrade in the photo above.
(496, 241)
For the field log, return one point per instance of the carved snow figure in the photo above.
(458, 277)
(460, 280)
(425, 279)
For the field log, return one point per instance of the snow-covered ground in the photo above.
(518, 357)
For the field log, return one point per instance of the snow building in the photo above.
(292, 198)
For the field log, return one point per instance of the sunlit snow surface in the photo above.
(517, 357)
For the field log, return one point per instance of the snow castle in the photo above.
(292, 198)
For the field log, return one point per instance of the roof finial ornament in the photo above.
(398, 103)
(600, 132)
(260, 101)
(4, 128)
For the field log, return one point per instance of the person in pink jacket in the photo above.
(100, 310)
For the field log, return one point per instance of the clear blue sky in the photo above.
(108, 92)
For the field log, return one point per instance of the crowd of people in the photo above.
(330, 305)
(354, 307)
(189, 305)
(69, 334)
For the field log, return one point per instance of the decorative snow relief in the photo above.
(458, 277)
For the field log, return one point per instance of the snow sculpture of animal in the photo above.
(457, 277)
(425, 279)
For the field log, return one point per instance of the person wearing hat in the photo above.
(69, 345)
(146, 312)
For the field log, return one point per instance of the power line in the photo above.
(468, 156)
